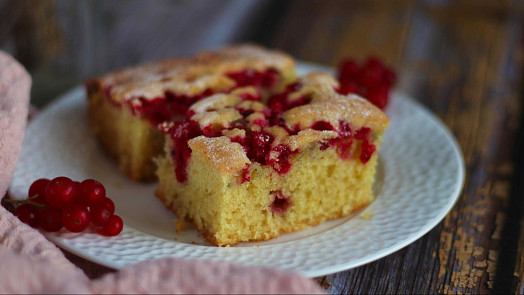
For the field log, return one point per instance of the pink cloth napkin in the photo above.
(29, 263)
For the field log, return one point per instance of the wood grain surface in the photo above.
(462, 60)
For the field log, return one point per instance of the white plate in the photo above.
(420, 176)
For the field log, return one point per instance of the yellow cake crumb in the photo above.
(180, 225)
(367, 215)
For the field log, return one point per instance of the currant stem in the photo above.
(26, 201)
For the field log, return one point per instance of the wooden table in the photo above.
(463, 60)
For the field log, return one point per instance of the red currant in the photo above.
(389, 77)
(51, 219)
(348, 70)
(75, 218)
(90, 192)
(28, 214)
(108, 203)
(348, 87)
(371, 74)
(367, 151)
(372, 80)
(113, 228)
(60, 192)
(37, 189)
(100, 214)
(378, 96)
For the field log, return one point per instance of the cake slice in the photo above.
(126, 107)
(247, 169)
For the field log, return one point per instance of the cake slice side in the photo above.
(130, 140)
(310, 158)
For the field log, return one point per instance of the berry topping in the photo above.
(60, 192)
(173, 106)
(344, 129)
(367, 151)
(280, 102)
(259, 137)
(363, 133)
(346, 137)
(166, 108)
(259, 147)
(322, 125)
(343, 148)
(280, 204)
(250, 77)
(246, 177)
(281, 163)
(181, 132)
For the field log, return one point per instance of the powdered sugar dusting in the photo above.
(192, 76)
(221, 117)
(223, 155)
(329, 106)
(214, 102)
(306, 137)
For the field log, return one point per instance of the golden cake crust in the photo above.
(131, 137)
(258, 169)
(326, 105)
(226, 156)
(330, 106)
(191, 76)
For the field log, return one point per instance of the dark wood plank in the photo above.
(459, 59)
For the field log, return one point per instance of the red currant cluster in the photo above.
(62, 202)
(373, 80)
